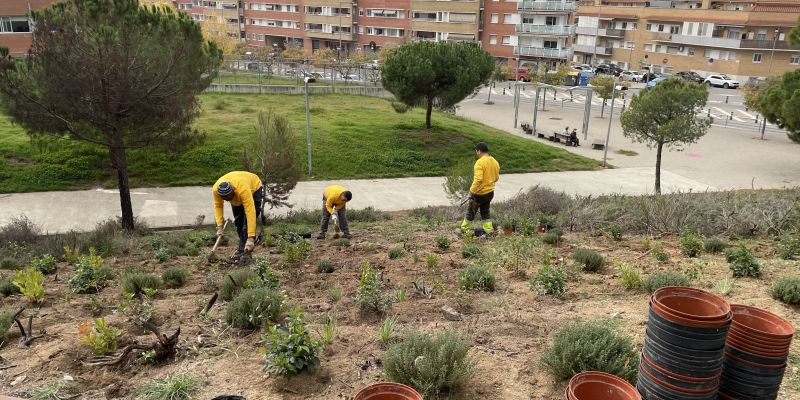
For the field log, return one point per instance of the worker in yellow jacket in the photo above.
(485, 174)
(244, 191)
(334, 199)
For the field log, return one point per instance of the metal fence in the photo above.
(293, 72)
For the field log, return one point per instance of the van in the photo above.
(519, 74)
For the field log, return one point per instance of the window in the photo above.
(494, 18)
(648, 47)
(794, 60)
(624, 25)
(762, 35)
(661, 27)
(507, 19)
(506, 39)
(492, 39)
(756, 57)
(260, 38)
(702, 28)
(361, 30)
(649, 27)
(658, 48)
(674, 29)
(551, 21)
(734, 35)
(14, 25)
(630, 45)
(550, 44)
(672, 50)
(635, 26)
(690, 51)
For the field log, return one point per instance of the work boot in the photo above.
(346, 236)
(487, 227)
(321, 236)
(466, 225)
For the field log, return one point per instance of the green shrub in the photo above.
(163, 254)
(99, 336)
(395, 252)
(324, 266)
(788, 246)
(552, 237)
(659, 254)
(202, 238)
(743, 263)
(715, 245)
(7, 286)
(46, 264)
(429, 364)
(591, 260)
(9, 263)
(136, 282)
(255, 307)
(432, 262)
(691, 245)
(470, 250)
(527, 227)
(91, 275)
(295, 253)
(664, 279)
(6, 319)
(442, 242)
(236, 281)
(342, 242)
(291, 349)
(182, 386)
(174, 277)
(551, 281)
(591, 346)
(368, 295)
(615, 230)
(30, 282)
(267, 277)
(787, 289)
(629, 277)
(476, 277)
(386, 331)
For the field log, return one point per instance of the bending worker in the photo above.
(334, 198)
(244, 191)
(485, 174)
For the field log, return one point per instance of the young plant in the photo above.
(551, 281)
(53, 392)
(399, 294)
(255, 307)
(71, 254)
(9, 263)
(476, 277)
(787, 290)
(725, 286)
(7, 286)
(691, 245)
(30, 282)
(395, 252)
(342, 242)
(429, 364)
(6, 319)
(182, 386)
(630, 278)
(715, 245)
(788, 246)
(552, 237)
(163, 254)
(136, 282)
(324, 266)
(174, 277)
(659, 254)
(590, 260)
(368, 295)
(664, 279)
(236, 281)
(91, 275)
(442, 242)
(329, 329)
(290, 349)
(591, 346)
(387, 330)
(743, 263)
(432, 262)
(99, 336)
(296, 253)
(46, 264)
(470, 250)
(615, 231)
(335, 294)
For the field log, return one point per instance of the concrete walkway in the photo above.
(165, 207)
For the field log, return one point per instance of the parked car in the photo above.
(648, 76)
(608, 69)
(690, 76)
(584, 67)
(656, 81)
(721, 81)
(519, 74)
(632, 76)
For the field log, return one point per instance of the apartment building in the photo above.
(736, 37)
(16, 27)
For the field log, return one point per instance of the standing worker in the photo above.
(484, 176)
(244, 191)
(334, 199)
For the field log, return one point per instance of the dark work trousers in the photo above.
(240, 219)
(326, 218)
(482, 202)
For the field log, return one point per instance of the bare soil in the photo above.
(508, 328)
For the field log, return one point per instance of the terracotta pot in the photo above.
(541, 228)
(692, 303)
(593, 385)
(387, 391)
(678, 376)
(508, 231)
(757, 341)
(673, 387)
(731, 357)
(735, 343)
(677, 319)
(761, 322)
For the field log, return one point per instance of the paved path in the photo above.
(164, 207)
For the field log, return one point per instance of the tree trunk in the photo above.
(658, 168)
(602, 108)
(118, 154)
(428, 114)
(489, 99)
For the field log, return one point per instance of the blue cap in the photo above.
(224, 189)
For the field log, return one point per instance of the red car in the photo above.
(519, 74)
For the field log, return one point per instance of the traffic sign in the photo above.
(664, 61)
(645, 56)
(710, 61)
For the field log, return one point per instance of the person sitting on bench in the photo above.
(573, 138)
(566, 131)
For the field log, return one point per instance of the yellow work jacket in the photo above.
(244, 185)
(333, 197)
(485, 174)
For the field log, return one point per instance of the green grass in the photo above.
(352, 136)
(629, 153)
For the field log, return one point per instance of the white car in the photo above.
(632, 76)
(721, 81)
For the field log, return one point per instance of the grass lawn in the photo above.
(353, 137)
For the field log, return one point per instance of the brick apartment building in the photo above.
(742, 38)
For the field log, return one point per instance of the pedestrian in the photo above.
(566, 131)
(244, 190)
(573, 138)
(334, 199)
(485, 174)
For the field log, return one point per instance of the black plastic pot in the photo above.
(752, 370)
(676, 381)
(651, 390)
(681, 366)
(740, 396)
(672, 334)
(713, 355)
(777, 362)
(743, 391)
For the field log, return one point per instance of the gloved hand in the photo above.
(250, 245)
(220, 230)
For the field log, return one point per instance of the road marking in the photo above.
(748, 115)
(527, 95)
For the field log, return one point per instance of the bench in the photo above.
(553, 138)
(540, 135)
(597, 145)
(563, 137)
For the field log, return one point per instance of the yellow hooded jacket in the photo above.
(486, 173)
(333, 197)
(244, 185)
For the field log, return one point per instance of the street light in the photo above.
(610, 117)
(308, 80)
(772, 55)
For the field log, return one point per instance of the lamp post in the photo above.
(308, 80)
(772, 54)
(610, 117)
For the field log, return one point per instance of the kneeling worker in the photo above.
(244, 191)
(334, 199)
(485, 174)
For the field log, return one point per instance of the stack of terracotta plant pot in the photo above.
(600, 386)
(684, 345)
(387, 391)
(756, 350)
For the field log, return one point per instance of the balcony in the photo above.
(767, 45)
(544, 52)
(555, 30)
(566, 6)
(589, 49)
(705, 41)
(587, 30)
